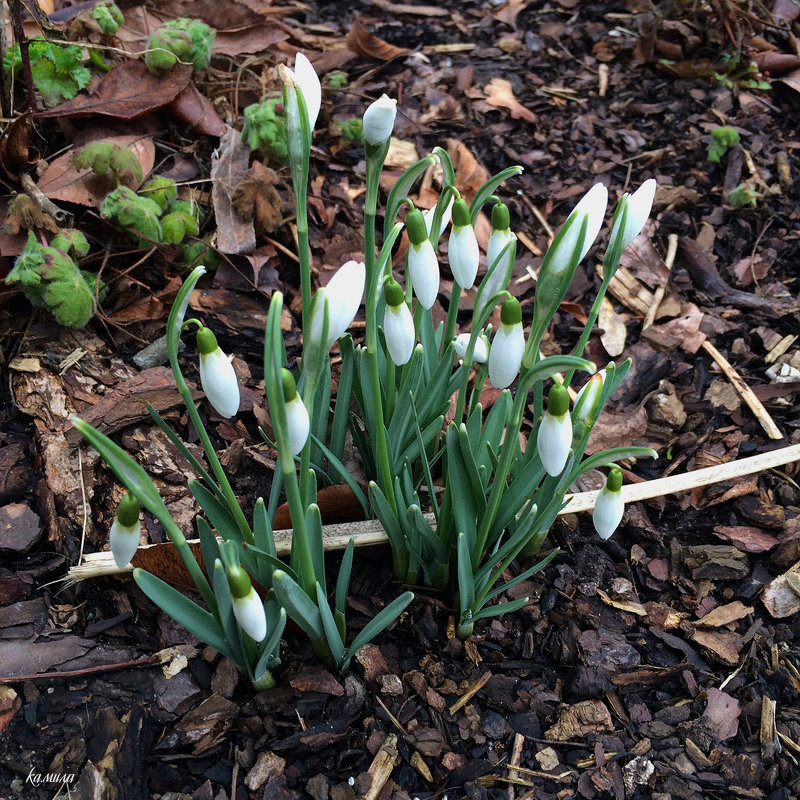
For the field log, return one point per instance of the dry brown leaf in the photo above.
(365, 44)
(614, 331)
(229, 167)
(194, 110)
(500, 95)
(509, 12)
(407, 8)
(257, 199)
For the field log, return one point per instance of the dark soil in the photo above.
(605, 686)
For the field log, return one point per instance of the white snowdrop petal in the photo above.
(505, 355)
(608, 510)
(640, 204)
(553, 442)
(398, 330)
(219, 382)
(307, 79)
(464, 255)
(298, 423)
(378, 121)
(249, 613)
(423, 267)
(124, 543)
(344, 292)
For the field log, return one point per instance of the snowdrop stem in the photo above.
(174, 327)
(452, 315)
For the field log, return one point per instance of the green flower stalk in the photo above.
(125, 531)
(609, 506)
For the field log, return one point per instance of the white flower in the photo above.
(480, 354)
(342, 296)
(125, 530)
(398, 325)
(462, 249)
(297, 421)
(508, 345)
(554, 439)
(217, 375)
(609, 506)
(305, 78)
(378, 120)
(247, 606)
(639, 206)
(592, 207)
(429, 215)
(587, 397)
(423, 267)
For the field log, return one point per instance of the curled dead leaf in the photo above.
(365, 44)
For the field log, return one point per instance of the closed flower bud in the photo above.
(591, 208)
(378, 121)
(462, 250)
(480, 355)
(498, 240)
(305, 78)
(217, 375)
(508, 345)
(587, 399)
(342, 296)
(554, 439)
(609, 506)
(398, 325)
(423, 266)
(639, 205)
(297, 420)
(125, 531)
(247, 606)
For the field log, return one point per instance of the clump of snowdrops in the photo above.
(489, 501)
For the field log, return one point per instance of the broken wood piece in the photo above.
(658, 295)
(381, 767)
(470, 693)
(745, 392)
(767, 730)
(336, 537)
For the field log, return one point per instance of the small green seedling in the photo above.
(722, 139)
(140, 214)
(336, 79)
(179, 40)
(179, 221)
(108, 16)
(50, 278)
(265, 131)
(161, 190)
(58, 70)
(103, 157)
(351, 130)
(744, 195)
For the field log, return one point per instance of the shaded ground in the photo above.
(646, 666)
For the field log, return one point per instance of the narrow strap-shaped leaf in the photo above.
(466, 579)
(270, 647)
(487, 190)
(208, 543)
(449, 176)
(270, 562)
(538, 567)
(217, 513)
(382, 620)
(464, 502)
(315, 542)
(329, 626)
(611, 456)
(184, 611)
(230, 627)
(343, 578)
(262, 528)
(346, 476)
(344, 393)
(500, 608)
(298, 605)
(401, 189)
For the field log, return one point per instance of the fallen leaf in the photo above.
(509, 12)
(614, 331)
(500, 95)
(257, 199)
(194, 110)
(229, 167)
(365, 44)
(577, 721)
(128, 91)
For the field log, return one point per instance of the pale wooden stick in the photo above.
(658, 295)
(336, 537)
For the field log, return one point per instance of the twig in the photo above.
(24, 54)
(45, 203)
(658, 295)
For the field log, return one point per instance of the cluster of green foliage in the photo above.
(744, 195)
(722, 139)
(351, 130)
(108, 16)
(179, 40)
(59, 70)
(265, 129)
(50, 278)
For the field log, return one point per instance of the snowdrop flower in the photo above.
(434, 236)
(217, 376)
(247, 606)
(639, 205)
(342, 297)
(378, 121)
(609, 506)
(591, 208)
(125, 531)
(587, 398)
(297, 420)
(508, 345)
(462, 249)
(498, 240)
(398, 324)
(480, 355)
(304, 78)
(555, 431)
(423, 266)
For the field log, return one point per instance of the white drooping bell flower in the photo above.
(423, 266)
(462, 249)
(609, 506)
(305, 78)
(378, 121)
(398, 324)
(125, 529)
(499, 239)
(247, 606)
(639, 204)
(508, 345)
(342, 297)
(591, 208)
(297, 421)
(554, 439)
(480, 355)
(217, 375)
